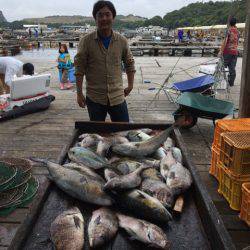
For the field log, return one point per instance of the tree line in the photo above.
(195, 14)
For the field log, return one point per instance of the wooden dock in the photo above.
(45, 134)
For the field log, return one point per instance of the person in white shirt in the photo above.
(9, 67)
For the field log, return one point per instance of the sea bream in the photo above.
(79, 186)
(144, 231)
(144, 148)
(88, 158)
(102, 227)
(178, 178)
(67, 230)
(143, 205)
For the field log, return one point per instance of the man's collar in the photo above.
(114, 35)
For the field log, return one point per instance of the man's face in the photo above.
(104, 19)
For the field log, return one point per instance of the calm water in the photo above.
(46, 54)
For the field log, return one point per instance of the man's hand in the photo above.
(127, 91)
(81, 100)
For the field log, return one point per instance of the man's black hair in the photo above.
(232, 21)
(100, 4)
(28, 69)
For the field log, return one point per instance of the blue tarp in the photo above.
(194, 84)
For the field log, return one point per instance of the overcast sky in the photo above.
(19, 9)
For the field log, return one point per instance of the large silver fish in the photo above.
(178, 178)
(124, 182)
(67, 230)
(142, 149)
(144, 231)
(79, 186)
(102, 227)
(87, 157)
(139, 136)
(144, 205)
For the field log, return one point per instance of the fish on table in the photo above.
(143, 205)
(77, 185)
(153, 185)
(102, 227)
(67, 230)
(144, 148)
(123, 182)
(144, 231)
(87, 157)
(178, 178)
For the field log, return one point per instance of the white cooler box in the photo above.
(25, 89)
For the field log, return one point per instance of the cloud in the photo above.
(17, 10)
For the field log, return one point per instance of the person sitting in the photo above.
(9, 66)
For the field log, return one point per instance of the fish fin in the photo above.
(77, 221)
(171, 175)
(132, 238)
(98, 220)
(140, 194)
(50, 178)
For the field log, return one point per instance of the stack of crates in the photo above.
(245, 205)
(222, 126)
(234, 166)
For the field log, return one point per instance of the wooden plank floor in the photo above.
(45, 134)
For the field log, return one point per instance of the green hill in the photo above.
(2, 18)
(195, 14)
(209, 13)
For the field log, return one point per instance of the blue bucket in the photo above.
(60, 75)
(72, 77)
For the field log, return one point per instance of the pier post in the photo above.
(244, 105)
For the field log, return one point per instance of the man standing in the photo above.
(9, 67)
(229, 50)
(99, 58)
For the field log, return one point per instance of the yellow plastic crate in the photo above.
(235, 152)
(214, 167)
(230, 186)
(245, 204)
(232, 125)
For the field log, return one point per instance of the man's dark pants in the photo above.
(98, 112)
(230, 62)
